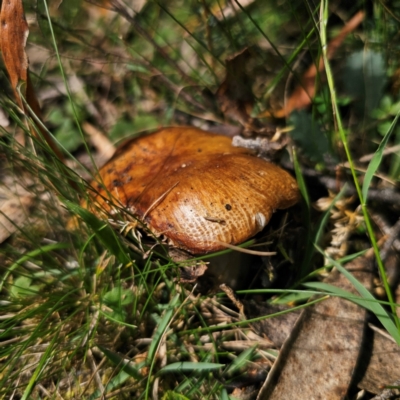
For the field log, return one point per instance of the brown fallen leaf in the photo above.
(305, 91)
(379, 362)
(14, 33)
(193, 187)
(276, 329)
(318, 359)
(235, 95)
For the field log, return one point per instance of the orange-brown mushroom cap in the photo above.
(194, 188)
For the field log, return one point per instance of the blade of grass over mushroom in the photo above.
(342, 134)
(103, 231)
(244, 245)
(377, 158)
(374, 306)
(187, 366)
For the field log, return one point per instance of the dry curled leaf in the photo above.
(14, 33)
(194, 188)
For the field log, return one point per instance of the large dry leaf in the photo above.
(379, 363)
(317, 361)
(276, 329)
(14, 33)
(235, 94)
(194, 188)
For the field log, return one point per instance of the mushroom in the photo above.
(193, 188)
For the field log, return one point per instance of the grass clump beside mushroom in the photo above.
(99, 311)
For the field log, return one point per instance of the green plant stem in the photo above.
(73, 107)
(339, 127)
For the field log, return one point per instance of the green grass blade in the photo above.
(119, 361)
(113, 384)
(343, 137)
(326, 215)
(377, 159)
(170, 395)
(241, 360)
(29, 256)
(109, 317)
(305, 208)
(190, 367)
(103, 231)
(374, 306)
(162, 326)
(45, 359)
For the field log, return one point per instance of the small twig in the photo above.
(232, 297)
